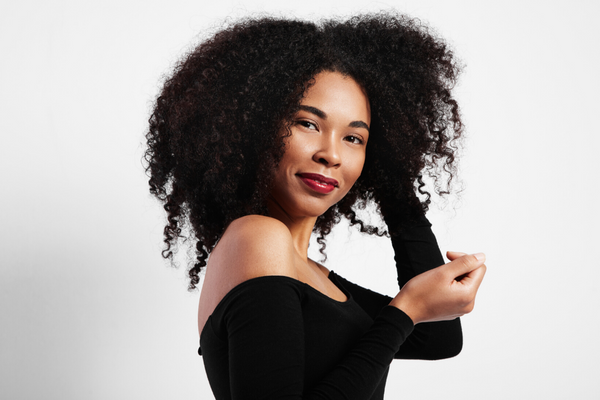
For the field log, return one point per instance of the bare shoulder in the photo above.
(253, 246)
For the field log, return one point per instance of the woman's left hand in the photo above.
(443, 293)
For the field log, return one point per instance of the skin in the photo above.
(328, 137)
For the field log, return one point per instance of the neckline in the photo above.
(331, 275)
(294, 280)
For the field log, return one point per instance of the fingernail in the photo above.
(480, 256)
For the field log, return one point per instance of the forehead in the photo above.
(338, 94)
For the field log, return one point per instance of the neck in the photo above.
(300, 227)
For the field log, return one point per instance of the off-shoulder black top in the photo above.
(275, 337)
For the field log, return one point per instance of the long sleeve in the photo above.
(416, 251)
(262, 329)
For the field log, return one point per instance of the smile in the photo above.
(319, 183)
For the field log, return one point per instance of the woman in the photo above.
(273, 129)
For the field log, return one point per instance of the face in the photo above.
(325, 153)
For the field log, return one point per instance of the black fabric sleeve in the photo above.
(428, 341)
(416, 251)
(264, 326)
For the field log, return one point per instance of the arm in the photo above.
(428, 340)
(253, 344)
(263, 325)
(416, 251)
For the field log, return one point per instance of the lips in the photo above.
(319, 183)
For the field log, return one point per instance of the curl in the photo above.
(217, 130)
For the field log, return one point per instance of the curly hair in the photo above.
(214, 138)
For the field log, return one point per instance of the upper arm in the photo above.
(263, 326)
(265, 339)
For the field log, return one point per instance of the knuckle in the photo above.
(470, 259)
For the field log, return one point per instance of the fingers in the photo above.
(475, 277)
(463, 264)
(453, 255)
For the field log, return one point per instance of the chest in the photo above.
(331, 329)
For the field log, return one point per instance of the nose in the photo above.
(328, 152)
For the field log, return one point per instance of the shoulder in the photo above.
(254, 246)
(255, 227)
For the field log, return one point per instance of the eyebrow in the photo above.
(321, 114)
(314, 110)
(359, 124)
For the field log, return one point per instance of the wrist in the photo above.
(408, 307)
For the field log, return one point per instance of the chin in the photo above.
(306, 205)
(316, 210)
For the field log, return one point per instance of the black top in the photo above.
(275, 337)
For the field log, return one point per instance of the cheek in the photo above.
(294, 150)
(351, 176)
(356, 169)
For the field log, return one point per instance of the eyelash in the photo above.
(306, 124)
(354, 139)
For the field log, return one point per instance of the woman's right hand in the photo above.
(443, 293)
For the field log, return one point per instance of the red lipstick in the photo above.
(319, 183)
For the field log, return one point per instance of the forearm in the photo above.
(416, 249)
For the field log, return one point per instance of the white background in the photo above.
(89, 310)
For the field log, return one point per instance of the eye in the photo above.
(354, 139)
(306, 124)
